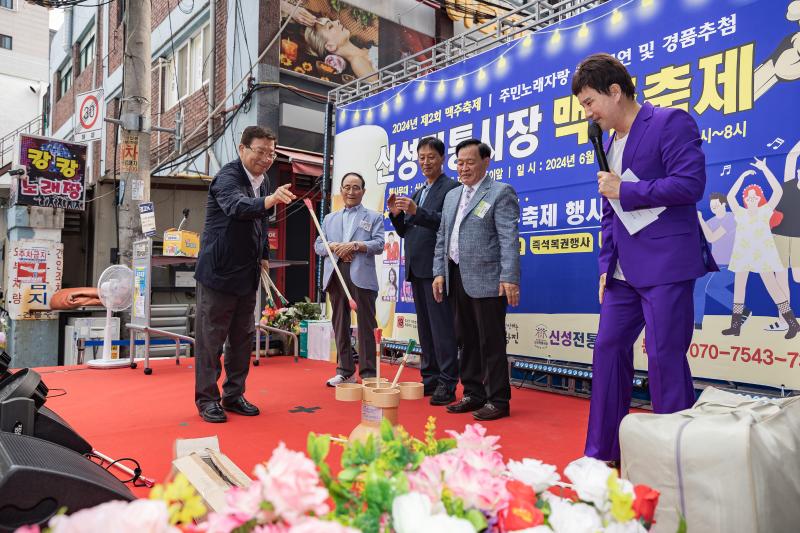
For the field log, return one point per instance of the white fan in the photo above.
(115, 288)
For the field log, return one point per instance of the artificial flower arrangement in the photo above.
(393, 484)
(289, 318)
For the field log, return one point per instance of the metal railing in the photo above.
(9, 140)
(270, 329)
(148, 332)
(529, 17)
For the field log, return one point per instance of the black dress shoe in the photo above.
(443, 395)
(212, 412)
(491, 412)
(465, 405)
(240, 406)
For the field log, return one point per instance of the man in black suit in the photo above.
(233, 249)
(416, 219)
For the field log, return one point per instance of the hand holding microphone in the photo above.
(608, 183)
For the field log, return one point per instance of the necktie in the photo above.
(424, 194)
(462, 209)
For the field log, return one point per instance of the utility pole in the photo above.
(267, 101)
(136, 125)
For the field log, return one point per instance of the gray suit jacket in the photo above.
(488, 245)
(368, 228)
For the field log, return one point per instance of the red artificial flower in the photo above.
(645, 503)
(520, 491)
(521, 512)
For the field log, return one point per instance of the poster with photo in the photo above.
(390, 283)
(391, 248)
(338, 42)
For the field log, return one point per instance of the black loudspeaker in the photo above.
(38, 477)
(27, 383)
(48, 425)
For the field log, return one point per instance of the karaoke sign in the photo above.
(55, 172)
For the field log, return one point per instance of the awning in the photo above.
(305, 163)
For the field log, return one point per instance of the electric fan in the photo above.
(115, 288)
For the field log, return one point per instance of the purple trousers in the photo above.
(667, 314)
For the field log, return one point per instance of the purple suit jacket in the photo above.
(663, 150)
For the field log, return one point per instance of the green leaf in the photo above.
(477, 519)
(387, 433)
(681, 524)
(348, 475)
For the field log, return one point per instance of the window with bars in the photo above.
(86, 52)
(5, 41)
(8, 4)
(186, 73)
(64, 80)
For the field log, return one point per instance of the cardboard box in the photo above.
(181, 243)
(209, 470)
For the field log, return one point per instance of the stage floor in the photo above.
(124, 413)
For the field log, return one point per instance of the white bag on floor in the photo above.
(729, 464)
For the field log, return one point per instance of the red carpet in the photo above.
(124, 413)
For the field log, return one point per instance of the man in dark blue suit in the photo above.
(233, 249)
(416, 219)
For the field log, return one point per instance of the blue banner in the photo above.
(733, 64)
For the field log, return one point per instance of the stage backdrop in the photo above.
(733, 64)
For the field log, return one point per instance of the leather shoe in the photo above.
(240, 406)
(465, 405)
(491, 412)
(212, 412)
(443, 395)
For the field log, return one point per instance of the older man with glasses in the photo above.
(355, 236)
(233, 249)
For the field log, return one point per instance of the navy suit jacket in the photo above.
(235, 233)
(419, 230)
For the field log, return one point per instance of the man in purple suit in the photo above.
(646, 279)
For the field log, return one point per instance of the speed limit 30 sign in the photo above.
(89, 108)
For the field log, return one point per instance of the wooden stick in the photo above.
(350, 299)
(146, 480)
(264, 277)
(411, 345)
(377, 332)
(284, 301)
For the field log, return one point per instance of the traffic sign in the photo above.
(89, 108)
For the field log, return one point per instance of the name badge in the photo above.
(481, 209)
(365, 225)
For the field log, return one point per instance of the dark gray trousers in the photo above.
(437, 336)
(365, 316)
(222, 316)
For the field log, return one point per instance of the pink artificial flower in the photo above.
(474, 438)
(24, 529)
(291, 483)
(483, 460)
(478, 488)
(244, 504)
(472, 474)
(315, 525)
(138, 516)
(221, 523)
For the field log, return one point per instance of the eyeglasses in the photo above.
(260, 152)
(354, 188)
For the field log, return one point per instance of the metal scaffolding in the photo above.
(525, 19)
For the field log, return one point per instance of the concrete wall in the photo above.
(24, 66)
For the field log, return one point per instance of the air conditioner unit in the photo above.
(88, 329)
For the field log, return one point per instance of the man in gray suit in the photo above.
(355, 236)
(477, 263)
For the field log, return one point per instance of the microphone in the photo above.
(596, 136)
